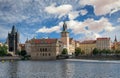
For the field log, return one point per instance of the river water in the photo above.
(71, 68)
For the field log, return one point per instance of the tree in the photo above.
(117, 52)
(3, 50)
(95, 51)
(64, 51)
(77, 51)
(23, 53)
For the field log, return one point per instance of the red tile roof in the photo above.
(104, 38)
(118, 43)
(88, 42)
(45, 41)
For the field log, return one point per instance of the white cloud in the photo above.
(99, 25)
(91, 35)
(93, 25)
(113, 33)
(73, 15)
(76, 27)
(83, 12)
(49, 30)
(60, 10)
(102, 7)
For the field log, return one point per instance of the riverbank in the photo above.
(78, 57)
(99, 57)
(10, 58)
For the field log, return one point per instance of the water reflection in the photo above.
(59, 69)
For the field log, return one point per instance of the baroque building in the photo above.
(43, 49)
(13, 41)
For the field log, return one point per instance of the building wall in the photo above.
(103, 43)
(116, 46)
(72, 47)
(44, 51)
(65, 40)
(28, 47)
(87, 48)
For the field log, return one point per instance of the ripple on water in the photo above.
(59, 69)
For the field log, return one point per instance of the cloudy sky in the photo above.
(44, 18)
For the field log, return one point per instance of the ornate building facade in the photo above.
(44, 49)
(13, 41)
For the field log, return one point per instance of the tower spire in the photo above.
(115, 39)
(13, 29)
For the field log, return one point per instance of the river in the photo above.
(71, 68)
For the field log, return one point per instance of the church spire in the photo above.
(64, 26)
(115, 39)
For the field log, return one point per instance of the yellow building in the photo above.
(88, 46)
(71, 46)
(77, 44)
(116, 46)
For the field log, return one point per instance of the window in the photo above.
(41, 49)
(49, 54)
(45, 49)
(43, 54)
(36, 54)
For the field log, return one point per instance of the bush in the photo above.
(96, 51)
(23, 53)
(64, 52)
(78, 51)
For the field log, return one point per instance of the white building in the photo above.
(103, 43)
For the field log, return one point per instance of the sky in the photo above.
(85, 19)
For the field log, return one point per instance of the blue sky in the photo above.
(44, 18)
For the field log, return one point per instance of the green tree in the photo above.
(23, 53)
(64, 51)
(95, 51)
(77, 51)
(3, 50)
(106, 51)
(117, 52)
